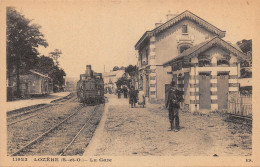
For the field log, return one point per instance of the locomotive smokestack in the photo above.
(89, 72)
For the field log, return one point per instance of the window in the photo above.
(141, 82)
(204, 63)
(223, 62)
(141, 58)
(146, 54)
(184, 29)
(183, 48)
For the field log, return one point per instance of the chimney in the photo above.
(170, 16)
(89, 72)
(157, 24)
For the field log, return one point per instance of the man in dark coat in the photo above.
(132, 97)
(173, 102)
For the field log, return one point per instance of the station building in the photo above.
(190, 51)
(207, 73)
(110, 79)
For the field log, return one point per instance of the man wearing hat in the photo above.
(173, 102)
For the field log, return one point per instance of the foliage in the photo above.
(131, 70)
(22, 41)
(116, 68)
(46, 65)
(246, 72)
(123, 81)
(122, 68)
(55, 55)
(246, 47)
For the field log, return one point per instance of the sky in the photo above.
(103, 33)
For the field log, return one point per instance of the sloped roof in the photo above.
(184, 15)
(37, 73)
(195, 50)
(113, 73)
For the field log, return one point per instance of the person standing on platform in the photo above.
(141, 98)
(125, 91)
(173, 102)
(132, 97)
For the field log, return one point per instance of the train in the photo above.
(90, 87)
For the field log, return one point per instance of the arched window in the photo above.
(204, 63)
(183, 48)
(223, 62)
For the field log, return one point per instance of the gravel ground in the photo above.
(144, 131)
(21, 133)
(55, 142)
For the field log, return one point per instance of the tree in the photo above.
(58, 78)
(132, 71)
(22, 41)
(246, 47)
(122, 68)
(55, 55)
(46, 65)
(116, 68)
(123, 81)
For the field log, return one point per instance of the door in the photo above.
(204, 91)
(186, 84)
(147, 85)
(174, 78)
(222, 90)
(167, 89)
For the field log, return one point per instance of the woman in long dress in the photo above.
(141, 98)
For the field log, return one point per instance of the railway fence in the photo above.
(240, 105)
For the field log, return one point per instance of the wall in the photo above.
(167, 42)
(162, 79)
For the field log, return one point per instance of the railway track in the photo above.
(15, 118)
(75, 137)
(27, 114)
(79, 121)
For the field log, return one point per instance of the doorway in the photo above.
(222, 90)
(204, 91)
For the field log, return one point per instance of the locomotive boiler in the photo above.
(90, 87)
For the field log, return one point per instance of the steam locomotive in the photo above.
(90, 87)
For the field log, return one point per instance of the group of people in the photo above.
(124, 90)
(173, 103)
(136, 96)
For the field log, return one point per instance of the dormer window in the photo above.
(184, 29)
